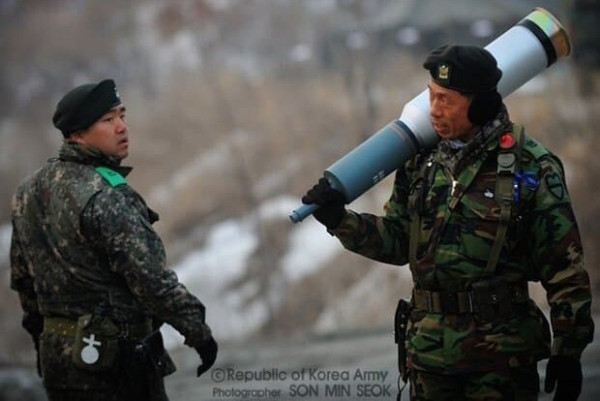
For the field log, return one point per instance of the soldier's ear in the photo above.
(76, 136)
(484, 107)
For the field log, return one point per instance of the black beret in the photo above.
(84, 105)
(468, 69)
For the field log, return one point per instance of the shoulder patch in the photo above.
(555, 186)
(534, 148)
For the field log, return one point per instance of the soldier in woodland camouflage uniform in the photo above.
(90, 269)
(473, 242)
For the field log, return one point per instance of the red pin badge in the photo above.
(507, 141)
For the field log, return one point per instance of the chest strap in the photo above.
(416, 202)
(509, 155)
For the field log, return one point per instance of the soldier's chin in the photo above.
(440, 130)
(444, 134)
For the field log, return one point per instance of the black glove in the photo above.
(38, 364)
(208, 354)
(34, 324)
(564, 372)
(331, 202)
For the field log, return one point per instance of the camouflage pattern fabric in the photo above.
(520, 383)
(81, 395)
(542, 244)
(77, 242)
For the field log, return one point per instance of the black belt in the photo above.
(68, 327)
(459, 302)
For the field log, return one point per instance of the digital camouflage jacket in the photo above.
(542, 244)
(78, 242)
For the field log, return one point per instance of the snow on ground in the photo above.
(208, 271)
(310, 248)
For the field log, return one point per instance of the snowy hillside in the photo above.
(209, 270)
(235, 108)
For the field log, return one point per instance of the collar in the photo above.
(456, 159)
(81, 154)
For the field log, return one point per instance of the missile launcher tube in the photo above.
(522, 52)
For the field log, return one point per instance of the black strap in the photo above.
(417, 200)
(508, 163)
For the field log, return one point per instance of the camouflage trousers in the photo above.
(80, 395)
(514, 384)
(64, 381)
(102, 395)
(124, 391)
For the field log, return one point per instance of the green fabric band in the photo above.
(111, 176)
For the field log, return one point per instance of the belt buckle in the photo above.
(470, 301)
(430, 302)
(449, 302)
(124, 327)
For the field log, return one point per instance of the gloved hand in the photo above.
(38, 364)
(564, 372)
(331, 202)
(208, 354)
(34, 324)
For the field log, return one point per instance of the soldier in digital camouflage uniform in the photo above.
(476, 218)
(90, 269)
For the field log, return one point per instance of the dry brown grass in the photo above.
(227, 134)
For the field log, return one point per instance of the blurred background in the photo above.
(235, 108)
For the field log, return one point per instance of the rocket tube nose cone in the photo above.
(549, 32)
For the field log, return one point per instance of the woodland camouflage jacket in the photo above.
(542, 244)
(78, 241)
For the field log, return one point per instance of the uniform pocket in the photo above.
(480, 218)
(59, 371)
(96, 344)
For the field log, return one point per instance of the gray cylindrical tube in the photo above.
(522, 52)
(399, 144)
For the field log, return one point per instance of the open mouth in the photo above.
(437, 127)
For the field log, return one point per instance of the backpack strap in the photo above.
(509, 156)
(111, 176)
